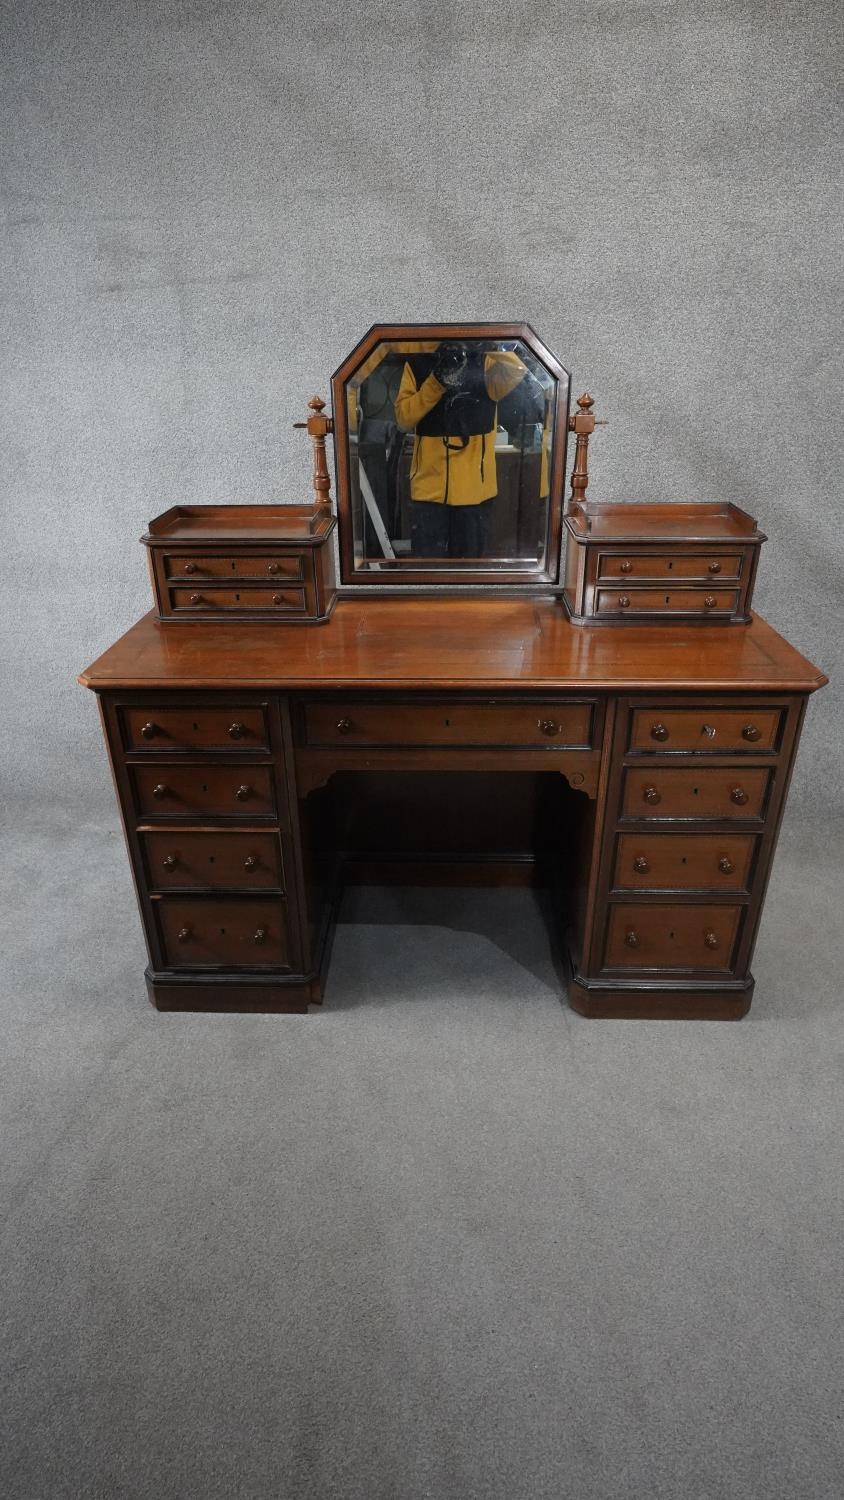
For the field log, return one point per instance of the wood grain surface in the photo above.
(469, 643)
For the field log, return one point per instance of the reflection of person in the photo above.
(450, 398)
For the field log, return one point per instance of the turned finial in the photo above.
(318, 427)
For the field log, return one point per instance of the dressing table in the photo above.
(493, 716)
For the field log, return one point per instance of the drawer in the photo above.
(245, 565)
(671, 937)
(541, 725)
(167, 791)
(700, 729)
(244, 601)
(705, 602)
(731, 792)
(683, 861)
(206, 930)
(213, 860)
(670, 566)
(194, 728)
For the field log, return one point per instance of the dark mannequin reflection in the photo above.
(450, 397)
(379, 449)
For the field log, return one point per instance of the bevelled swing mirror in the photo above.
(450, 449)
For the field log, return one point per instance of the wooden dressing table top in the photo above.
(452, 643)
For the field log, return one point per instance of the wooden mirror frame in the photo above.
(527, 578)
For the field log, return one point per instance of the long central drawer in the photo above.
(542, 724)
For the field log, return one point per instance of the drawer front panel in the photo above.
(266, 565)
(694, 793)
(206, 930)
(683, 861)
(209, 861)
(671, 937)
(712, 567)
(713, 729)
(672, 601)
(194, 728)
(280, 600)
(543, 725)
(218, 791)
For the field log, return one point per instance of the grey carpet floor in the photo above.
(443, 1239)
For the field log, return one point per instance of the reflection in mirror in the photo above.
(450, 445)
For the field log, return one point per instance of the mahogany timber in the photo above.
(633, 547)
(683, 861)
(194, 550)
(695, 792)
(454, 643)
(211, 859)
(170, 790)
(200, 930)
(610, 713)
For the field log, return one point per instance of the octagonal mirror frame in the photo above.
(515, 574)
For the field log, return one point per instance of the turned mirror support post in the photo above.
(582, 424)
(318, 427)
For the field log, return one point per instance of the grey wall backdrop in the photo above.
(444, 1240)
(204, 205)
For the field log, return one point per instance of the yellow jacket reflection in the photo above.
(449, 469)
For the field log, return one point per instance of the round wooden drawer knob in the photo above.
(714, 567)
(725, 865)
(631, 938)
(196, 598)
(148, 730)
(651, 795)
(278, 599)
(190, 567)
(624, 601)
(169, 861)
(738, 795)
(344, 726)
(236, 731)
(160, 790)
(627, 567)
(659, 732)
(260, 934)
(711, 940)
(243, 792)
(250, 862)
(183, 934)
(641, 864)
(750, 732)
(549, 727)
(710, 601)
(273, 567)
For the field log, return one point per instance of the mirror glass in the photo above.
(448, 454)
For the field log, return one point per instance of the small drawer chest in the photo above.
(656, 562)
(243, 562)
